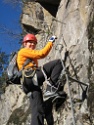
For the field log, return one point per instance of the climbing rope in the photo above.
(72, 110)
(60, 46)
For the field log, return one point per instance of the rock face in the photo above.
(73, 24)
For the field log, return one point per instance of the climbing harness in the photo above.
(29, 73)
(25, 73)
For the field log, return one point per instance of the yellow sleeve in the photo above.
(36, 54)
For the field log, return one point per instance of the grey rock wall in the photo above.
(73, 23)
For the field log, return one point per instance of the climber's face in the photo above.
(30, 44)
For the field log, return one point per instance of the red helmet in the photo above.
(29, 37)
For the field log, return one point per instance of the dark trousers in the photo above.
(52, 70)
(40, 109)
(37, 111)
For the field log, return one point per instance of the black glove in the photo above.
(52, 39)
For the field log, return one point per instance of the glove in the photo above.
(52, 39)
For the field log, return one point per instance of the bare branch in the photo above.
(5, 30)
(13, 2)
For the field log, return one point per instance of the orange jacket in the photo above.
(25, 53)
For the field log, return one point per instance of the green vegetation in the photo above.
(3, 65)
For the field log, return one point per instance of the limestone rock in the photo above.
(73, 24)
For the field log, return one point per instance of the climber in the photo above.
(51, 69)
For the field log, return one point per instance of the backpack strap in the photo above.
(27, 62)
